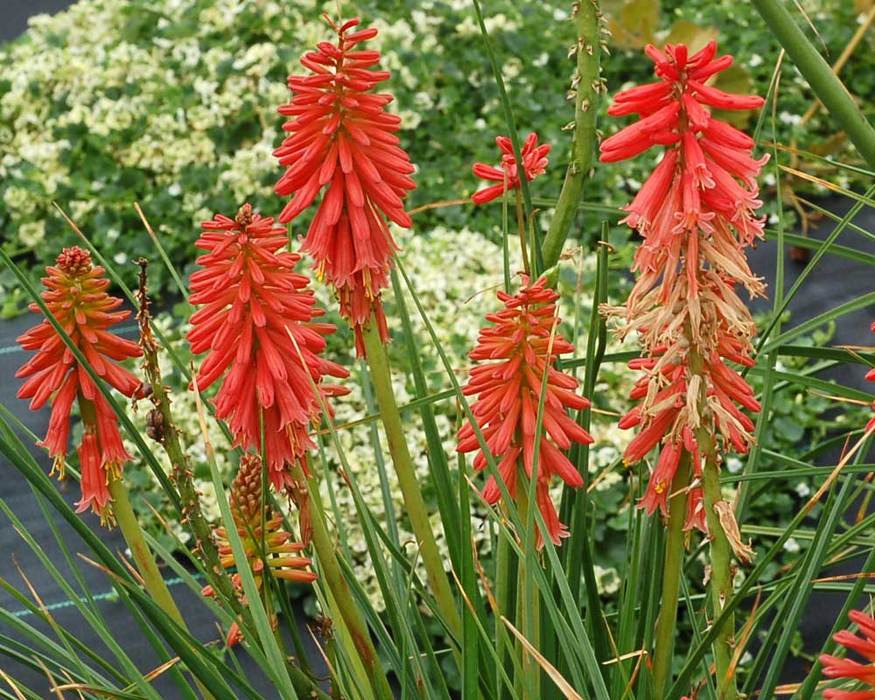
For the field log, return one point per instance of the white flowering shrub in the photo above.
(172, 104)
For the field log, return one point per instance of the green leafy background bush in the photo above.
(173, 104)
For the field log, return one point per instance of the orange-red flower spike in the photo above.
(520, 346)
(76, 297)
(342, 144)
(258, 322)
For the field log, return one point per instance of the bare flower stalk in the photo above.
(586, 85)
(378, 365)
(671, 580)
(162, 429)
(721, 580)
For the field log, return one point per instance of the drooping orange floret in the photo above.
(256, 314)
(864, 645)
(76, 297)
(507, 176)
(517, 350)
(342, 144)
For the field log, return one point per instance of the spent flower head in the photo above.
(696, 213)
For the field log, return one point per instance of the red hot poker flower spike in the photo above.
(834, 667)
(342, 140)
(697, 214)
(517, 349)
(507, 176)
(252, 304)
(76, 297)
(279, 552)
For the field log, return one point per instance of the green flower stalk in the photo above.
(353, 160)
(826, 85)
(586, 87)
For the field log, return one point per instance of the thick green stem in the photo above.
(528, 599)
(721, 576)
(127, 522)
(331, 574)
(586, 87)
(720, 584)
(828, 88)
(671, 579)
(378, 363)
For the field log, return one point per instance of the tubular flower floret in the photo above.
(507, 176)
(520, 346)
(275, 548)
(342, 144)
(257, 321)
(863, 673)
(697, 214)
(76, 297)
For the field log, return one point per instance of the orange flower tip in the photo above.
(74, 261)
(629, 421)
(244, 215)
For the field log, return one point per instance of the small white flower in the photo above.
(734, 465)
(32, 233)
